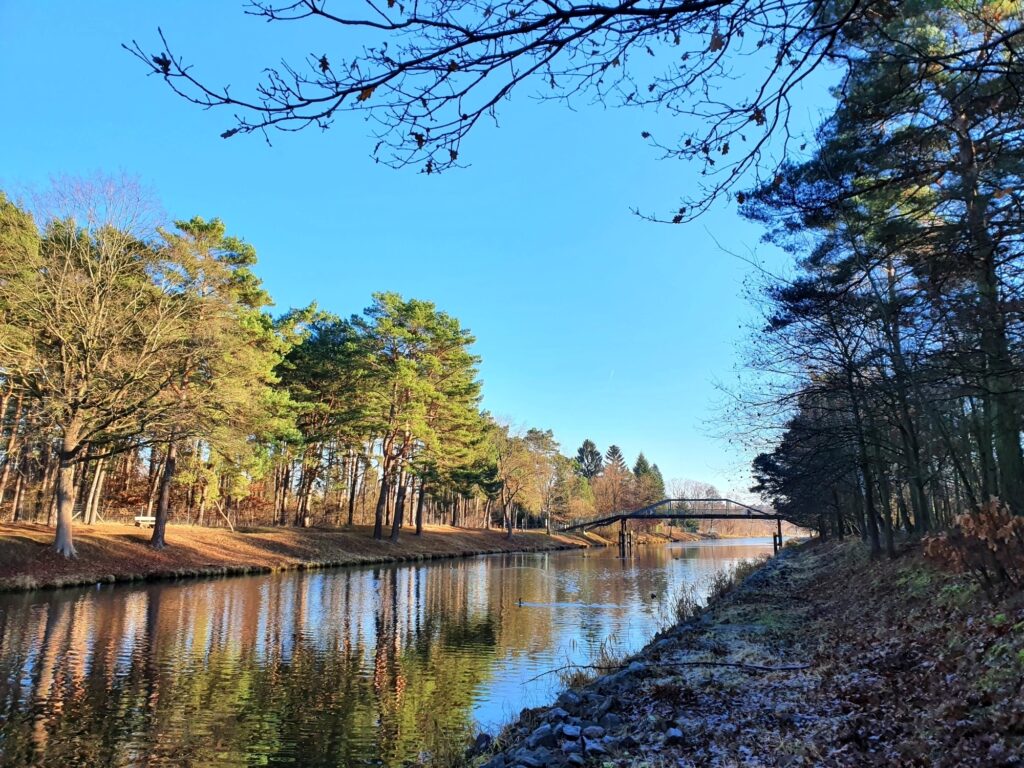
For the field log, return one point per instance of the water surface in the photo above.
(346, 667)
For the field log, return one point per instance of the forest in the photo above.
(889, 360)
(145, 375)
(884, 395)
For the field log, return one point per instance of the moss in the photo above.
(957, 596)
(917, 580)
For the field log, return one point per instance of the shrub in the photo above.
(987, 544)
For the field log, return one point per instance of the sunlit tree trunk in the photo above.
(158, 539)
(69, 449)
(396, 526)
(11, 448)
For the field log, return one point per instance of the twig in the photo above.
(732, 664)
(576, 666)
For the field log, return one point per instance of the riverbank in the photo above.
(819, 658)
(109, 552)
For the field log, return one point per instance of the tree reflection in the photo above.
(317, 669)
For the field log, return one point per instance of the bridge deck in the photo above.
(692, 510)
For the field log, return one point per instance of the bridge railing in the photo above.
(678, 509)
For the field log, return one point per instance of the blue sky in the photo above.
(589, 321)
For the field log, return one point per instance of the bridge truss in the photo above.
(681, 509)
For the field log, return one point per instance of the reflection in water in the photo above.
(332, 668)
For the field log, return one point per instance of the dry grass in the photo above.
(725, 581)
(687, 605)
(110, 552)
(609, 657)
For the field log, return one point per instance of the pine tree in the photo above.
(642, 466)
(421, 388)
(613, 458)
(223, 385)
(657, 482)
(588, 457)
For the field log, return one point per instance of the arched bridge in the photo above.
(682, 509)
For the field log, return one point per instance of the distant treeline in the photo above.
(892, 358)
(142, 374)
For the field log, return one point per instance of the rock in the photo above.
(543, 736)
(571, 747)
(595, 748)
(498, 761)
(613, 683)
(556, 715)
(576, 759)
(570, 731)
(593, 732)
(611, 721)
(636, 667)
(569, 700)
(628, 742)
(674, 736)
(529, 759)
(605, 706)
(482, 743)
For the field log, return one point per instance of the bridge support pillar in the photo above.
(625, 538)
(777, 538)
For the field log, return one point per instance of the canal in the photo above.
(346, 667)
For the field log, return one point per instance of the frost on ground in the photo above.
(820, 658)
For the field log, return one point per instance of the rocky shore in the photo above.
(810, 661)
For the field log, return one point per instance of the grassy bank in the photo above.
(114, 553)
(819, 658)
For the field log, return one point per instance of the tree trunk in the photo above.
(202, 505)
(158, 540)
(396, 526)
(19, 488)
(154, 481)
(90, 501)
(382, 501)
(419, 509)
(69, 448)
(11, 448)
(1002, 413)
(286, 485)
(352, 490)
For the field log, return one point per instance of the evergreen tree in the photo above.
(642, 466)
(421, 387)
(657, 482)
(222, 388)
(614, 459)
(588, 457)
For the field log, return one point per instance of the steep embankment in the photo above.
(820, 658)
(111, 552)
